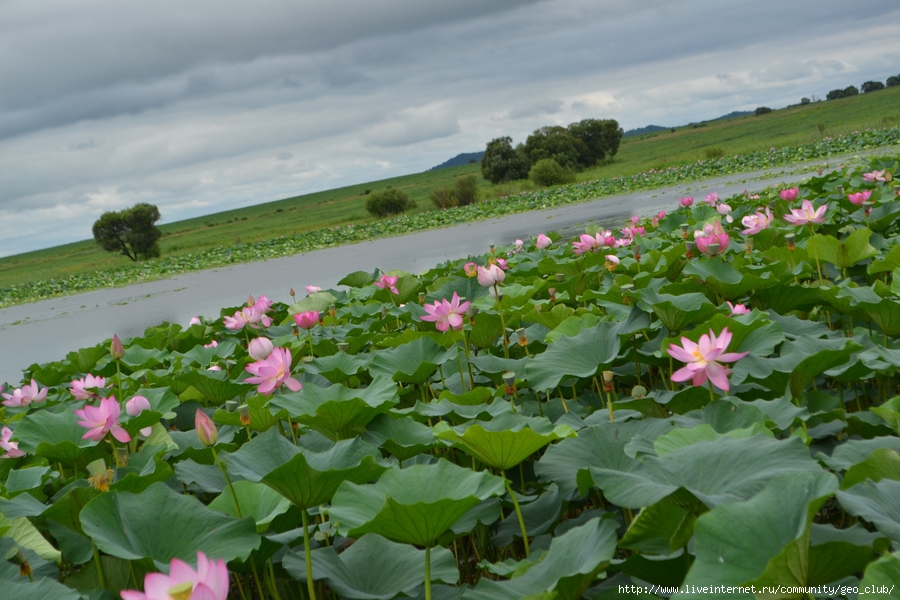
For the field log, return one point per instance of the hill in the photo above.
(460, 159)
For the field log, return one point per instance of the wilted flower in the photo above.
(471, 269)
(135, 407)
(737, 309)
(490, 275)
(272, 372)
(25, 395)
(208, 582)
(701, 359)
(858, 198)
(757, 222)
(542, 241)
(205, 428)
(789, 194)
(807, 213)
(102, 419)
(80, 388)
(388, 282)
(446, 314)
(11, 448)
(306, 320)
(612, 261)
(260, 348)
(687, 201)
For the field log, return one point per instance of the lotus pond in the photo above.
(707, 397)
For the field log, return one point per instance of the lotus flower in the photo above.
(517, 247)
(248, 316)
(542, 241)
(194, 321)
(103, 419)
(471, 269)
(686, 202)
(712, 234)
(272, 372)
(586, 243)
(446, 314)
(25, 395)
(212, 344)
(878, 176)
(725, 211)
(11, 448)
(612, 261)
(501, 262)
(313, 289)
(490, 275)
(858, 198)
(208, 582)
(205, 428)
(306, 320)
(806, 214)
(632, 231)
(757, 222)
(789, 194)
(260, 348)
(661, 215)
(605, 238)
(388, 282)
(135, 407)
(623, 242)
(635, 219)
(262, 304)
(712, 199)
(80, 388)
(737, 309)
(702, 359)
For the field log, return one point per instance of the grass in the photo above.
(786, 127)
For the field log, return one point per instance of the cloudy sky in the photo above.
(207, 105)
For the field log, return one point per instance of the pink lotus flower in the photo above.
(25, 395)
(103, 419)
(80, 388)
(701, 359)
(757, 222)
(737, 309)
(501, 262)
(712, 199)
(262, 304)
(712, 234)
(519, 244)
(248, 316)
(605, 238)
(194, 321)
(260, 348)
(208, 582)
(272, 372)
(135, 407)
(388, 282)
(205, 428)
(214, 368)
(542, 241)
(490, 275)
(687, 201)
(632, 231)
(725, 211)
(471, 269)
(446, 314)
(586, 243)
(313, 289)
(807, 213)
(789, 194)
(661, 215)
(212, 344)
(635, 219)
(116, 349)
(308, 319)
(623, 242)
(878, 176)
(11, 448)
(858, 198)
(612, 261)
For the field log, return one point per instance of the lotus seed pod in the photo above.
(509, 377)
(343, 346)
(560, 277)
(231, 405)
(608, 375)
(638, 391)
(471, 312)
(421, 297)
(244, 412)
(713, 249)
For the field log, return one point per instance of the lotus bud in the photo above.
(206, 429)
(685, 230)
(421, 297)
(332, 310)
(260, 348)
(523, 339)
(472, 311)
(116, 350)
(343, 346)
(789, 240)
(244, 412)
(231, 405)
(638, 391)
(560, 277)
(293, 294)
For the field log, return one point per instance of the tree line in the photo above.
(869, 86)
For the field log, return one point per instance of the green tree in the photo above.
(389, 201)
(503, 163)
(871, 86)
(131, 232)
(601, 139)
(547, 172)
(557, 143)
(893, 80)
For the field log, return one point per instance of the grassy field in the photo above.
(785, 127)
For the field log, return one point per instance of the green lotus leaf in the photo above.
(581, 356)
(890, 412)
(661, 529)
(204, 356)
(479, 395)
(358, 279)
(876, 503)
(763, 540)
(853, 452)
(57, 437)
(374, 568)
(213, 385)
(160, 524)
(256, 500)
(884, 463)
(678, 312)
(539, 515)
(682, 437)
(570, 565)
(550, 319)
(27, 536)
(784, 298)
(415, 505)
(890, 261)
(487, 329)
(305, 477)
(403, 438)
(137, 357)
(886, 315)
(338, 412)
(882, 575)
(262, 417)
(413, 362)
(725, 280)
(337, 367)
(26, 478)
(853, 249)
(67, 510)
(719, 472)
(505, 441)
(838, 553)
(41, 589)
(85, 359)
(805, 358)
(459, 412)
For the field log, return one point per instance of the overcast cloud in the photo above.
(205, 106)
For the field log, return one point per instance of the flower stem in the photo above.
(311, 350)
(518, 513)
(237, 506)
(308, 555)
(502, 322)
(99, 566)
(427, 572)
(468, 360)
(462, 380)
(712, 394)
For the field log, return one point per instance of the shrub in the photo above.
(503, 163)
(762, 110)
(547, 172)
(804, 101)
(466, 191)
(131, 232)
(443, 198)
(871, 86)
(389, 201)
(714, 152)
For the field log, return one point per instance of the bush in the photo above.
(714, 152)
(443, 198)
(804, 101)
(466, 190)
(892, 81)
(389, 201)
(503, 163)
(762, 110)
(871, 86)
(131, 232)
(547, 172)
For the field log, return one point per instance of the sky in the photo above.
(205, 106)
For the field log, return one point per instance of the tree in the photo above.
(547, 172)
(503, 163)
(871, 86)
(557, 143)
(850, 91)
(131, 231)
(761, 110)
(892, 81)
(601, 138)
(389, 201)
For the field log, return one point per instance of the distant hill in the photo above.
(643, 130)
(460, 159)
(732, 115)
